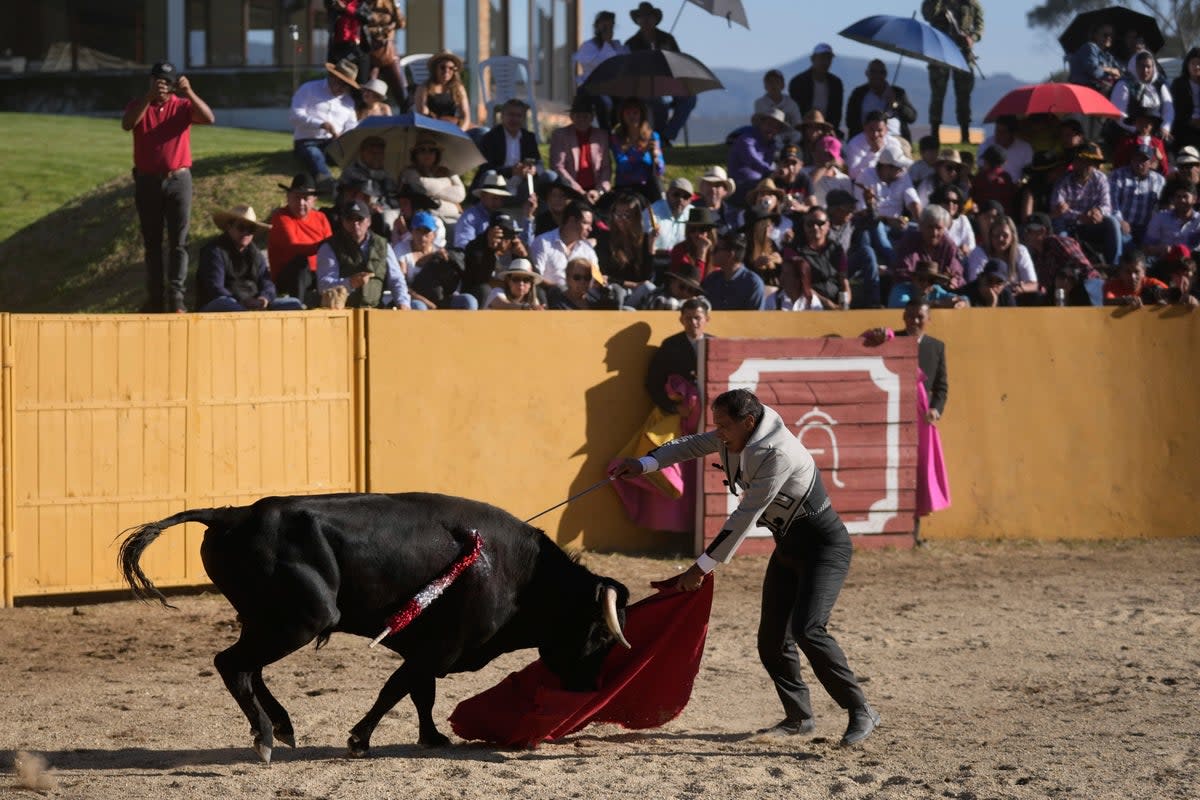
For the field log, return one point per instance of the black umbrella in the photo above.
(1121, 19)
(650, 73)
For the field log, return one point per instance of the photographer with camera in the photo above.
(489, 253)
(161, 123)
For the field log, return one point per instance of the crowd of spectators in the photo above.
(803, 216)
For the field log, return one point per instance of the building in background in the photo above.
(120, 37)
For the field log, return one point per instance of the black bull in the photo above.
(301, 568)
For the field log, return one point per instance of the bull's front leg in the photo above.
(404, 680)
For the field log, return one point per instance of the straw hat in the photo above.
(948, 155)
(377, 86)
(444, 55)
(223, 218)
(765, 186)
(345, 71)
(519, 266)
(932, 272)
(717, 174)
(814, 118)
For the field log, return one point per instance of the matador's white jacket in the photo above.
(774, 471)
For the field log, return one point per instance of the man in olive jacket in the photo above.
(361, 261)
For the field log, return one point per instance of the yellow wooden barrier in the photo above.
(122, 420)
(1061, 423)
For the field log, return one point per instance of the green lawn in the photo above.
(48, 160)
(66, 188)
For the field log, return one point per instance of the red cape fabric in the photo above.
(644, 687)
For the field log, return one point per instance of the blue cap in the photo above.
(423, 219)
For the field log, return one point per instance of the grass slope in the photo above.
(69, 238)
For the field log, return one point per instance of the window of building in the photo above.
(518, 29)
(498, 29)
(260, 33)
(454, 26)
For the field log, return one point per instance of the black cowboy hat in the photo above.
(686, 273)
(302, 183)
(582, 104)
(755, 215)
(646, 8)
(557, 182)
(702, 217)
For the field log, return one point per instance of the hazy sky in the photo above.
(782, 30)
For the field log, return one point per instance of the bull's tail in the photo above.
(139, 537)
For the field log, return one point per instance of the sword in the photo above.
(591, 488)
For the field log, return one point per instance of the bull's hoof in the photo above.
(264, 752)
(286, 736)
(357, 748)
(433, 739)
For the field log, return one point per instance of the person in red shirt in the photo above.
(991, 182)
(161, 123)
(1131, 287)
(697, 245)
(296, 233)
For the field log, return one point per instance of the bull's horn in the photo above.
(610, 616)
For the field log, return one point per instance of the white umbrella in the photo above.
(731, 10)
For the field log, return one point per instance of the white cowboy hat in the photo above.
(222, 218)
(719, 175)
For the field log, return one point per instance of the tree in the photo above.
(1179, 20)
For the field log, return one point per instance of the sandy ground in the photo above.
(1001, 671)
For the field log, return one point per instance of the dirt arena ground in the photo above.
(1001, 670)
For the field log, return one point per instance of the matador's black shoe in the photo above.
(784, 729)
(863, 720)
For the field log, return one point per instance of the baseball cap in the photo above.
(1038, 219)
(681, 184)
(1145, 151)
(996, 270)
(822, 47)
(165, 70)
(423, 219)
(355, 209)
(504, 221)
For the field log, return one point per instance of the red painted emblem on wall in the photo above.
(854, 408)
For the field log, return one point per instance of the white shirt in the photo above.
(313, 104)
(1020, 155)
(858, 153)
(671, 229)
(589, 56)
(892, 199)
(820, 98)
(961, 233)
(874, 102)
(979, 257)
(512, 148)
(550, 256)
(823, 186)
(787, 105)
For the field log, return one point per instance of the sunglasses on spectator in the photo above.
(245, 227)
(681, 195)
(582, 276)
(448, 65)
(521, 279)
(816, 223)
(428, 149)
(953, 200)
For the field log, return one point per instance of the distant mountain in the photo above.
(719, 112)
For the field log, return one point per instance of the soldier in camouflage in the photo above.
(962, 21)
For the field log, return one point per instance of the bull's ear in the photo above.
(622, 592)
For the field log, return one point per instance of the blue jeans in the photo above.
(311, 154)
(227, 303)
(458, 302)
(863, 267)
(680, 109)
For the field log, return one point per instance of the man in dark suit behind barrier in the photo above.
(781, 489)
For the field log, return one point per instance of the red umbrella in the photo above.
(1053, 98)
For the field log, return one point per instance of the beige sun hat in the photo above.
(243, 213)
(717, 174)
(345, 71)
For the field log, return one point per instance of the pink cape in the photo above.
(664, 500)
(933, 484)
(644, 687)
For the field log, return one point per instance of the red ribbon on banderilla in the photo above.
(401, 619)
